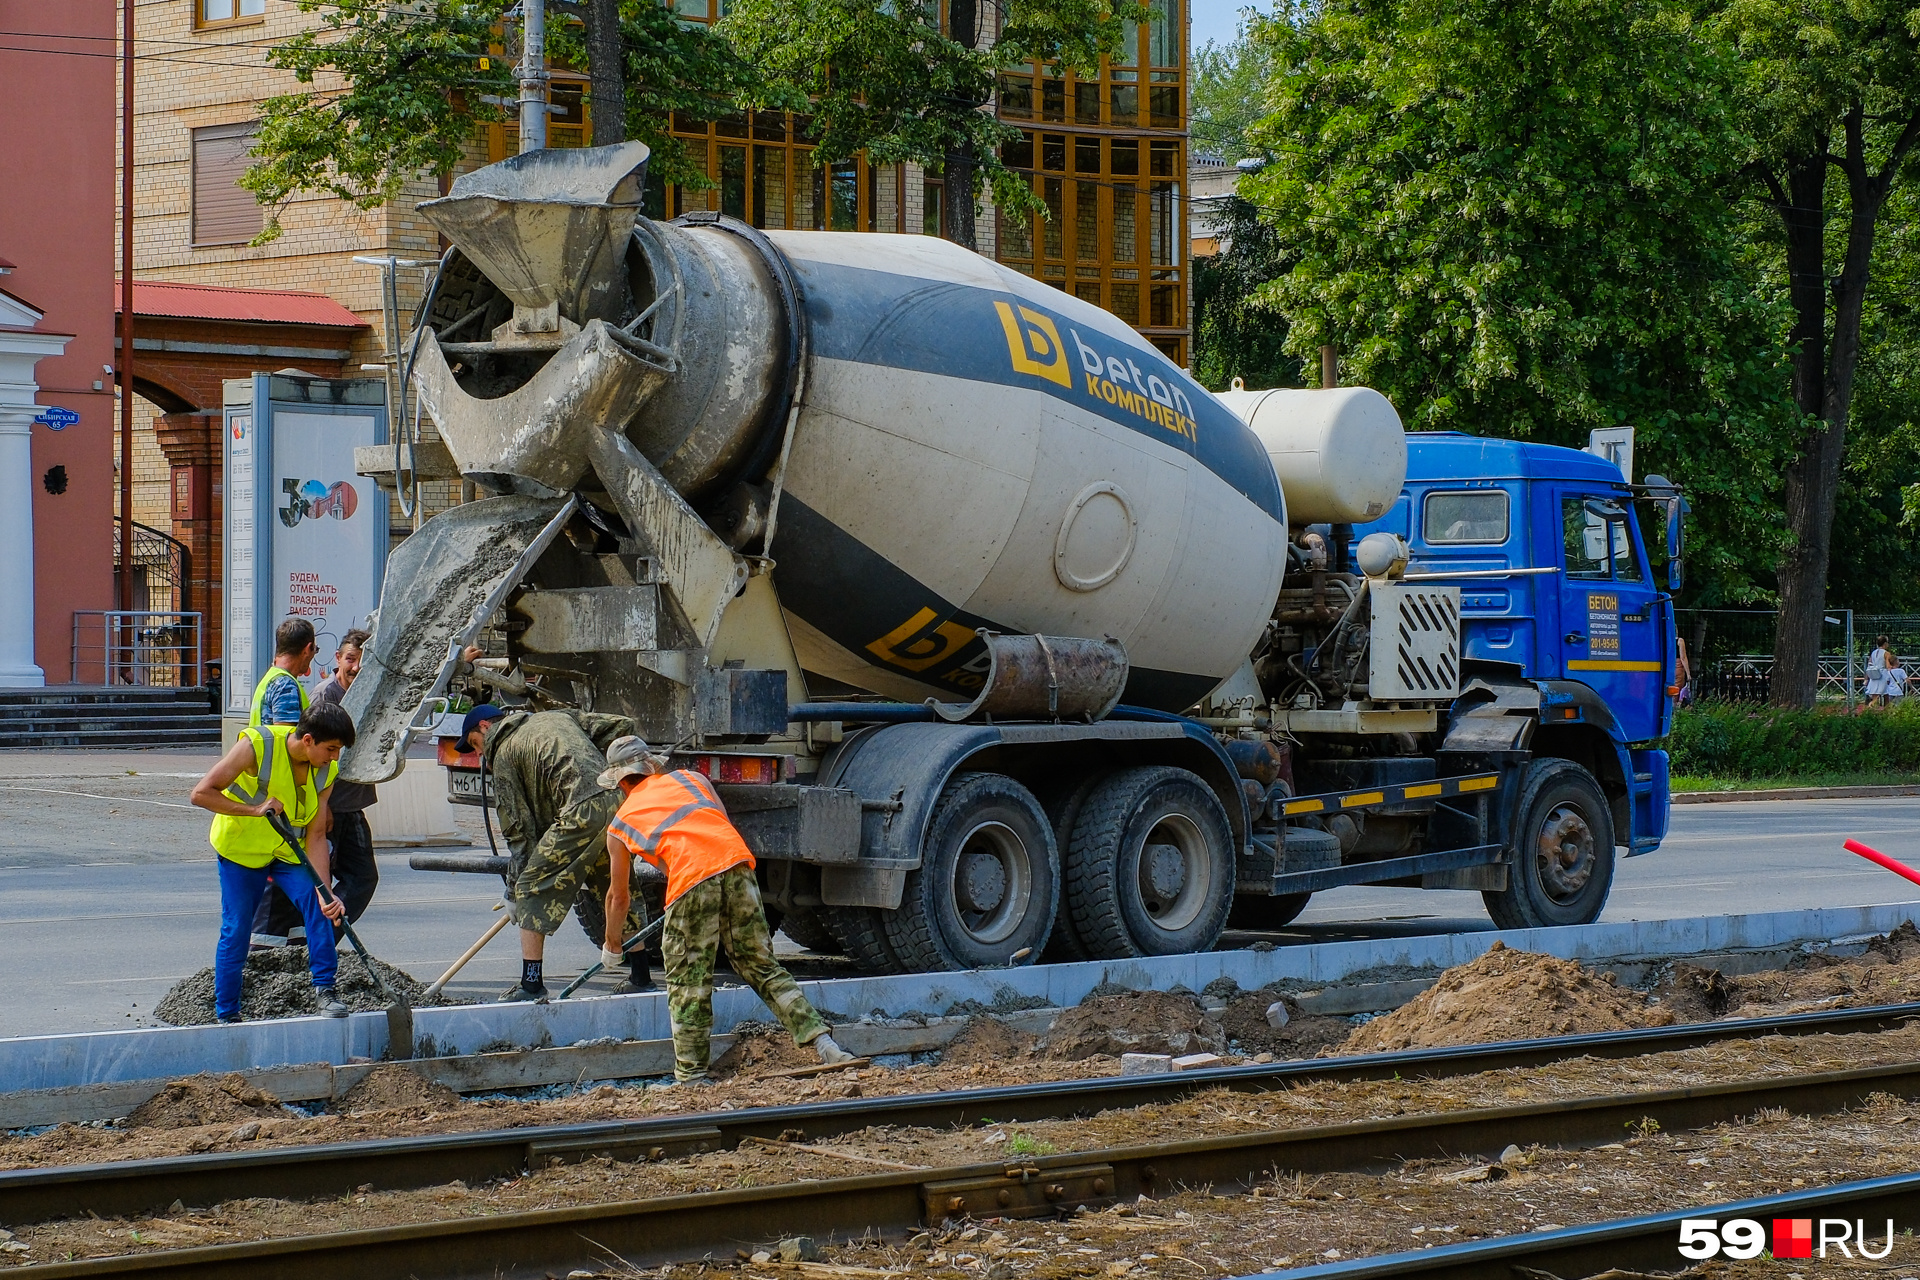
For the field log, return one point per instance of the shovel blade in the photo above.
(399, 1031)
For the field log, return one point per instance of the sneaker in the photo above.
(830, 1053)
(694, 1082)
(639, 978)
(519, 993)
(330, 1004)
(229, 1020)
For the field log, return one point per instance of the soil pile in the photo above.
(760, 1047)
(1888, 972)
(986, 1042)
(1304, 1036)
(205, 1099)
(1694, 994)
(1508, 995)
(393, 1087)
(1133, 1022)
(277, 984)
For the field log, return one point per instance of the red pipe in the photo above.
(1874, 855)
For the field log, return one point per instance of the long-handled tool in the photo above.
(399, 1012)
(472, 951)
(636, 941)
(1872, 854)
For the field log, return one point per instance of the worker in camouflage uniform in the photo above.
(676, 822)
(554, 814)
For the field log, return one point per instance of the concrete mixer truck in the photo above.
(1002, 638)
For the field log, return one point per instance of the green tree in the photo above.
(885, 77)
(1830, 98)
(398, 89)
(1513, 217)
(1226, 96)
(1234, 334)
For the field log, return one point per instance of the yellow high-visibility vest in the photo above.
(252, 842)
(260, 693)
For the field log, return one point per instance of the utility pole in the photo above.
(533, 76)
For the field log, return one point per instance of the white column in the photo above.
(19, 352)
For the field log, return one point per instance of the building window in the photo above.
(220, 13)
(223, 211)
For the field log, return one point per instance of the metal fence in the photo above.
(1731, 651)
(153, 648)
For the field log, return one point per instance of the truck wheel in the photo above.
(988, 885)
(1063, 803)
(1256, 912)
(1150, 869)
(1561, 867)
(863, 937)
(809, 929)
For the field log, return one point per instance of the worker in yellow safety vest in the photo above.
(286, 769)
(280, 698)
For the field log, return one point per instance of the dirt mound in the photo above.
(205, 1099)
(986, 1042)
(1693, 994)
(1508, 995)
(392, 1087)
(1245, 1023)
(1887, 972)
(1133, 1022)
(277, 984)
(760, 1047)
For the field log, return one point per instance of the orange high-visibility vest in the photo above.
(676, 822)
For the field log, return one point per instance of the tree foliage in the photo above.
(1226, 95)
(885, 77)
(1513, 218)
(397, 90)
(1234, 334)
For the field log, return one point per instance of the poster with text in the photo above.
(326, 521)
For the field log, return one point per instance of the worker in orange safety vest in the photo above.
(676, 822)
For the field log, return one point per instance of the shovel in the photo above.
(637, 940)
(399, 1012)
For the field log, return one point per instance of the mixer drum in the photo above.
(976, 449)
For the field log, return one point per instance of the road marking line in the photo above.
(165, 804)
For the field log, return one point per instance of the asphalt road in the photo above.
(108, 893)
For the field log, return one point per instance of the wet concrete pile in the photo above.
(277, 984)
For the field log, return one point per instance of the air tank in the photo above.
(955, 446)
(1340, 454)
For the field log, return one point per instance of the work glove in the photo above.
(611, 958)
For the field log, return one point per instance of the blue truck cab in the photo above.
(1572, 603)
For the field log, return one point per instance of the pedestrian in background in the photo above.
(355, 872)
(1877, 663)
(286, 769)
(676, 822)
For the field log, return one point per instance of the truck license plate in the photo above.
(468, 786)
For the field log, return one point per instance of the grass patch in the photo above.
(1697, 782)
(1021, 1144)
(1753, 746)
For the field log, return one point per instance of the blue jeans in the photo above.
(241, 889)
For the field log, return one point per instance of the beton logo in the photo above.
(1741, 1238)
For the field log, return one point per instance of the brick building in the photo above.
(1107, 157)
(58, 480)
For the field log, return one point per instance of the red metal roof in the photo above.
(256, 306)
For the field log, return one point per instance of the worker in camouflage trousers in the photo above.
(554, 814)
(676, 822)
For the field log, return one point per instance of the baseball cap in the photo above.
(475, 718)
(628, 756)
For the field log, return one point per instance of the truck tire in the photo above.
(1063, 803)
(988, 885)
(808, 928)
(1256, 913)
(862, 932)
(1560, 869)
(1150, 868)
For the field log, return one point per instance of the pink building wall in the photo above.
(58, 77)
